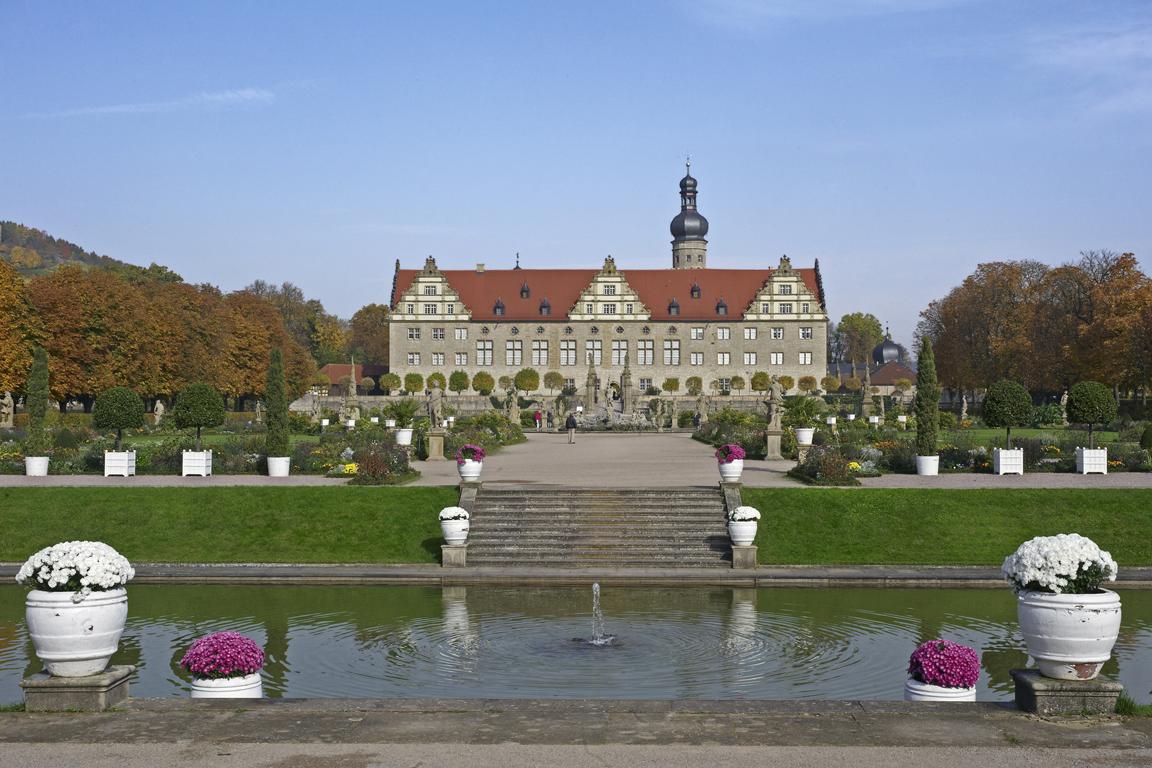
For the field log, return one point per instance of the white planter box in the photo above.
(197, 463)
(1008, 461)
(324, 422)
(1092, 460)
(122, 463)
(902, 419)
(375, 419)
(873, 420)
(928, 465)
(390, 423)
(830, 421)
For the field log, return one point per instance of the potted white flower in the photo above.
(78, 605)
(454, 525)
(225, 665)
(1068, 621)
(742, 523)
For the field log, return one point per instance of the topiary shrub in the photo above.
(276, 402)
(118, 408)
(390, 382)
(1007, 404)
(37, 442)
(927, 401)
(198, 405)
(1091, 403)
(483, 383)
(413, 382)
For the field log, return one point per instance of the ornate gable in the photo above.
(785, 296)
(430, 297)
(609, 297)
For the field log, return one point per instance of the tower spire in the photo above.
(689, 248)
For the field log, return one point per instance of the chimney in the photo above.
(480, 267)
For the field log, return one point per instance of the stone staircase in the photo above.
(608, 528)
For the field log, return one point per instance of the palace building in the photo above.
(668, 324)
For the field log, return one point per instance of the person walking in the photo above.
(570, 425)
(538, 418)
(551, 420)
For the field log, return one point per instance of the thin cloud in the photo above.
(209, 100)
(746, 13)
(1111, 65)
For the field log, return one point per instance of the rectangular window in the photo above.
(645, 384)
(628, 309)
(413, 334)
(609, 309)
(750, 334)
(645, 352)
(785, 309)
(784, 289)
(437, 334)
(429, 309)
(610, 290)
(696, 358)
(805, 308)
(723, 334)
(461, 358)
(806, 332)
(513, 352)
(568, 352)
(593, 352)
(723, 358)
(749, 358)
(777, 358)
(588, 309)
(409, 309)
(484, 353)
(437, 358)
(777, 334)
(805, 358)
(672, 352)
(449, 309)
(697, 334)
(413, 358)
(540, 352)
(619, 352)
(461, 334)
(569, 383)
(429, 290)
(765, 309)
(724, 385)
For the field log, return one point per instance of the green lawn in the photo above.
(943, 527)
(350, 524)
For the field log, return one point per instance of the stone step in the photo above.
(556, 562)
(620, 518)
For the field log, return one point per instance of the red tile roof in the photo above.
(336, 372)
(562, 287)
(887, 374)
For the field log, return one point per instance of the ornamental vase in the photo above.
(742, 532)
(76, 639)
(404, 437)
(469, 470)
(914, 690)
(36, 466)
(455, 531)
(240, 687)
(279, 466)
(122, 463)
(804, 435)
(730, 471)
(1069, 636)
(928, 465)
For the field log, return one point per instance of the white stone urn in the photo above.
(76, 639)
(196, 463)
(470, 470)
(1008, 461)
(455, 531)
(914, 690)
(240, 687)
(404, 436)
(279, 466)
(1092, 461)
(928, 465)
(742, 532)
(730, 471)
(804, 435)
(1069, 636)
(36, 466)
(122, 463)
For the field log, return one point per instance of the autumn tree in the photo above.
(787, 382)
(527, 380)
(807, 384)
(830, 383)
(368, 334)
(761, 381)
(483, 383)
(553, 380)
(20, 330)
(458, 381)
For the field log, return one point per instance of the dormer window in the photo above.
(498, 308)
(722, 308)
(695, 290)
(673, 307)
(545, 308)
(524, 292)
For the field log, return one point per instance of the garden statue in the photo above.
(775, 403)
(512, 406)
(158, 412)
(866, 393)
(963, 409)
(701, 409)
(435, 404)
(1064, 408)
(314, 409)
(259, 411)
(7, 411)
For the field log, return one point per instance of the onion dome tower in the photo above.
(886, 351)
(689, 248)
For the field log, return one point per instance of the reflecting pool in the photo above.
(484, 642)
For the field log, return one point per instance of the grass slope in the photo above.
(943, 527)
(214, 525)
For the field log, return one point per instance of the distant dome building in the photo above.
(688, 228)
(887, 351)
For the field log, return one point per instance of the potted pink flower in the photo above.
(225, 665)
(730, 461)
(941, 670)
(469, 461)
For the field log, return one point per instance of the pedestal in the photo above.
(1047, 696)
(94, 693)
(453, 555)
(802, 453)
(772, 447)
(744, 557)
(436, 445)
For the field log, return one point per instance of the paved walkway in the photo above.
(610, 460)
(564, 734)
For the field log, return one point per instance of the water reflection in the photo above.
(516, 643)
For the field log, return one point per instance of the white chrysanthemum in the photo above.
(454, 513)
(744, 514)
(88, 565)
(1051, 562)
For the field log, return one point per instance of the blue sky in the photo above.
(901, 142)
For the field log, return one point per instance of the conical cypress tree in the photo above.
(276, 402)
(927, 401)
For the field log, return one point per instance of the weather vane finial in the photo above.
(688, 162)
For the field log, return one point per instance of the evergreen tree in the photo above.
(927, 401)
(276, 404)
(36, 401)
